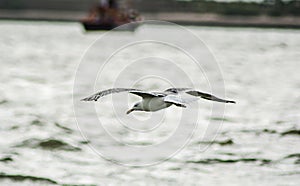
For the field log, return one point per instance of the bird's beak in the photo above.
(129, 111)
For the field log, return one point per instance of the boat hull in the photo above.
(99, 26)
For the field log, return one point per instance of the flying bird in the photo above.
(154, 101)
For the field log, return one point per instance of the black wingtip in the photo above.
(231, 102)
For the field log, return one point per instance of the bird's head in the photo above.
(137, 106)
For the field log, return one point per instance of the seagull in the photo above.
(154, 101)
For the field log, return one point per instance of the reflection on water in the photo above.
(257, 144)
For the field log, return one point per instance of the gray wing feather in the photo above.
(208, 96)
(100, 94)
(175, 100)
(176, 90)
(144, 94)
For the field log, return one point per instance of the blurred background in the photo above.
(257, 47)
(199, 12)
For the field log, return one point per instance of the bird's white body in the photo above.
(154, 104)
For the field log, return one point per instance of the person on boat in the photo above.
(108, 11)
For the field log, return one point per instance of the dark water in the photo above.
(40, 144)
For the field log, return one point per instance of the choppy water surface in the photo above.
(40, 144)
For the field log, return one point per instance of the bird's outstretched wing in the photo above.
(196, 93)
(100, 94)
(207, 96)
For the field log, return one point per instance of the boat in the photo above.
(107, 16)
